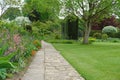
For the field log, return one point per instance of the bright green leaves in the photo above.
(47, 8)
(3, 74)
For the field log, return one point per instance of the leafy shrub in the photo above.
(5, 65)
(22, 21)
(104, 36)
(37, 43)
(110, 30)
(57, 36)
(3, 74)
(91, 40)
(22, 31)
(97, 35)
(29, 49)
(117, 35)
(48, 28)
(15, 47)
(95, 31)
(40, 29)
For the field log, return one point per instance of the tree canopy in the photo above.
(4, 4)
(89, 11)
(11, 13)
(48, 9)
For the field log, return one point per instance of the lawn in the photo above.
(98, 61)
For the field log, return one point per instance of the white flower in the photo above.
(21, 20)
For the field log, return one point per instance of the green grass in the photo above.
(98, 61)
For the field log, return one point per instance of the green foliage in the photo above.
(7, 65)
(95, 31)
(104, 36)
(4, 4)
(37, 43)
(3, 73)
(88, 13)
(117, 35)
(22, 31)
(114, 40)
(70, 27)
(48, 9)
(3, 49)
(109, 29)
(40, 29)
(11, 13)
(46, 29)
(71, 17)
(91, 40)
(97, 35)
(15, 47)
(62, 41)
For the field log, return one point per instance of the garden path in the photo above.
(48, 64)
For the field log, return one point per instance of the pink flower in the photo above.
(17, 39)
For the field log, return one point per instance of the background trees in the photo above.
(4, 4)
(89, 11)
(47, 9)
(11, 13)
(111, 20)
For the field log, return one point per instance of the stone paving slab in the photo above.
(36, 69)
(56, 67)
(48, 64)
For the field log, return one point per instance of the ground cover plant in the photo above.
(97, 61)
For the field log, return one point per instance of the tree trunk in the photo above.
(86, 33)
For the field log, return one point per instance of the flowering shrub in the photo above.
(37, 43)
(14, 48)
(21, 20)
(17, 39)
(33, 52)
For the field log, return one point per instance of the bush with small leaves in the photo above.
(104, 36)
(110, 30)
(97, 35)
(117, 35)
(91, 40)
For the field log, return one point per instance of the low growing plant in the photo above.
(104, 36)
(97, 35)
(91, 40)
(110, 30)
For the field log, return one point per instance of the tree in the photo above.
(11, 13)
(48, 9)
(110, 21)
(89, 11)
(4, 4)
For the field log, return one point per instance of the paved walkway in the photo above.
(48, 64)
